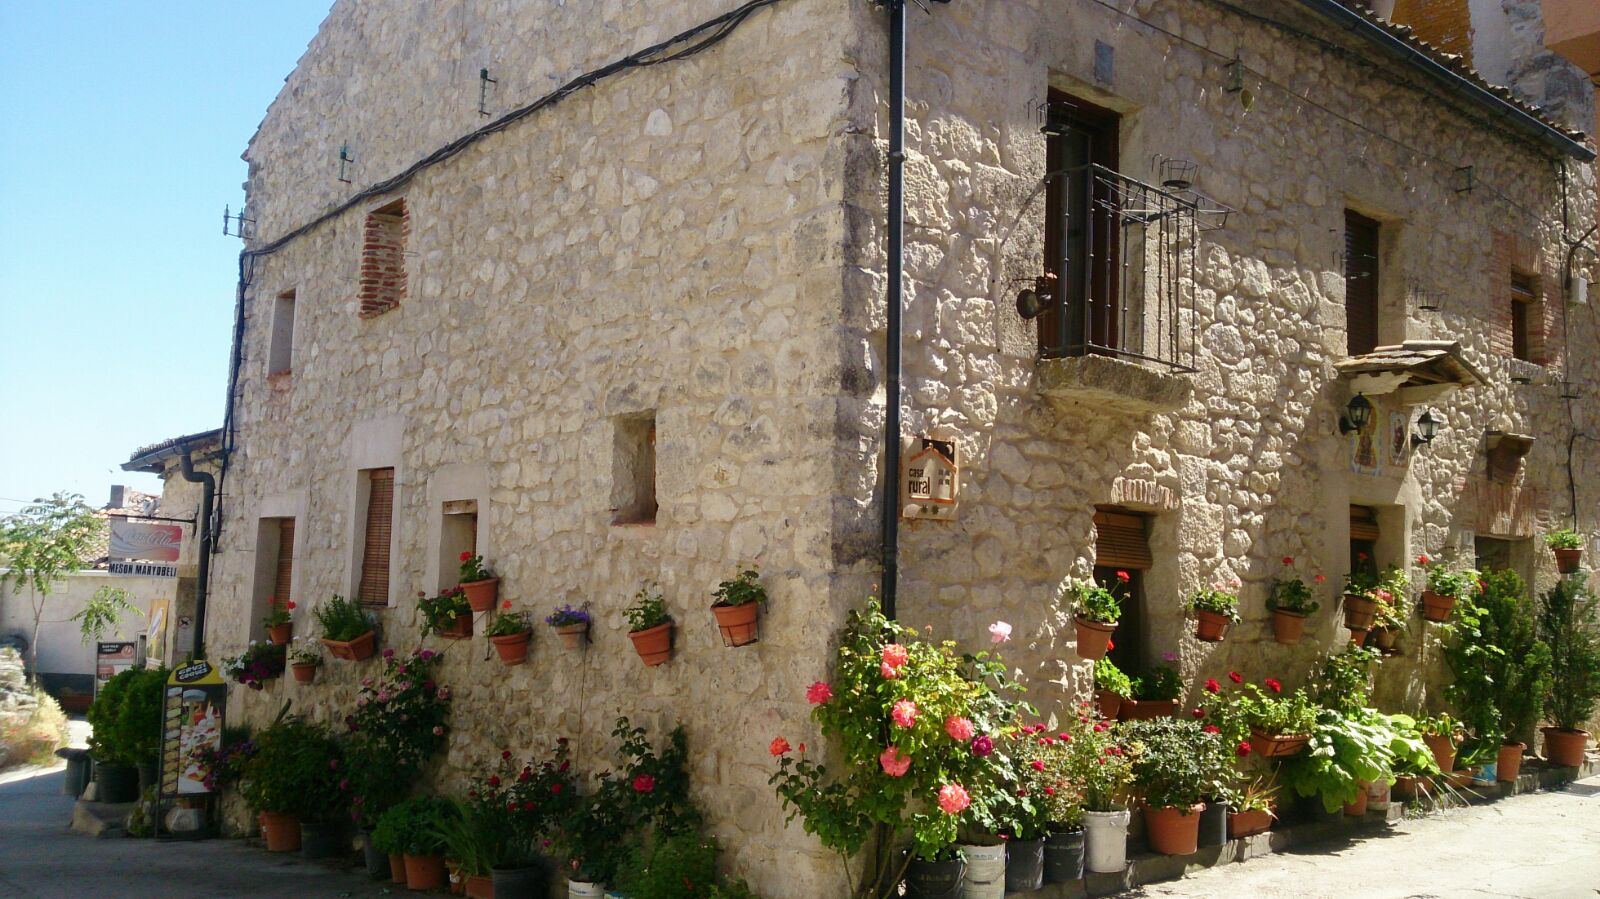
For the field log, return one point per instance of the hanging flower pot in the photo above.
(1277, 746)
(1287, 627)
(1110, 704)
(1436, 607)
(1568, 560)
(1358, 636)
(1508, 764)
(280, 634)
(459, 629)
(573, 636)
(1564, 747)
(481, 595)
(513, 648)
(1384, 638)
(1172, 830)
(738, 623)
(304, 673)
(1359, 611)
(1093, 637)
(352, 650)
(1211, 626)
(654, 644)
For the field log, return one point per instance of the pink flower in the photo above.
(1037, 764)
(953, 800)
(426, 654)
(344, 783)
(778, 746)
(982, 745)
(894, 762)
(999, 632)
(388, 653)
(444, 693)
(333, 764)
(887, 670)
(895, 655)
(383, 695)
(438, 730)
(818, 693)
(904, 713)
(958, 728)
(644, 783)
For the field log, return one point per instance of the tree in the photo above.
(1501, 667)
(103, 613)
(42, 544)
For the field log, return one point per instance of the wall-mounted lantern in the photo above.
(1427, 429)
(1356, 414)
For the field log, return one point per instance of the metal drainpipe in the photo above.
(897, 214)
(207, 501)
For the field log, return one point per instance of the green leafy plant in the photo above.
(305, 651)
(278, 615)
(470, 836)
(505, 622)
(405, 708)
(676, 866)
(1291, 594)
(1084, 767)
(1347, 752)
(1460, 583)
(1567, 624)
(1393, 611)
(1217, 599)
(1093, 602)
(473, 569)
(1344, 681)
(126, 717)
(442, 611)
(103, 612)
(745, 588)
(566, 616)
(296, 770)
(1159, 683)
(342, 619)
(1177, 762)
(1564, 538)
(650, 794)
(1440, 725)
(259, 663)
(649, 609)
(1501, 667)
(48, 540)
(1107, 676)
(1258, 795)
(413, 827)
(1274, 714)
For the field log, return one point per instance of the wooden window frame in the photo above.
(1524, 313)
(1093, 137)
(1363, 275)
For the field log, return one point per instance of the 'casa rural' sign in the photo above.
(931, 486)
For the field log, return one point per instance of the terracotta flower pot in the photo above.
(1568, 560)
(1248, 824)
(1436, 607)
(1383, 638)
(1143, 709)
(1359, 611)
(352, 650)
(459, 629)
(738, 623)
(424, 872)
(279, 634)
(1093, 637)
(1508, 764)
(281, 832)
(482, 594)
(1443, 747)
(304, 674)
(1277, 746)
(573, 636)
(654, 645)
(397, 868)
(513, 648)
(1110, 703)
(1357, 808)
(1564, 747)
(1358, 636)
(479, 886)
(1211, 626)
(1172, 830)
(1287, 627)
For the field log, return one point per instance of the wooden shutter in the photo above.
(1363, 524)
(1120, 540)
(374, 587)
(1360, 283)
(1522, 300)
(280, 587)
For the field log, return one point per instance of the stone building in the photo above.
(521, 280)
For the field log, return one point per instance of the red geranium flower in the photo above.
(466, 554)
(1361, 556)
(1212, 686)
(1212, 729)
(1274, 684)
(1123, 577)
(1423, 559)
(289, 604)
(1110, 646)
(1236, 677)
(1288, 560)
(1244, 748)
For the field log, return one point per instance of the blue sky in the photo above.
(121, 125)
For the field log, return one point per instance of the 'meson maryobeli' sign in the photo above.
(144, 541)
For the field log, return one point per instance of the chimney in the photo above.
(119, 495)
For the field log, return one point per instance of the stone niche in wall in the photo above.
(1105, 382)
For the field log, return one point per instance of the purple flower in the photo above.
(388, 653)
(426, 654)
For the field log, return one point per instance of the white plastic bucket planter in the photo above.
(577, 890)
(1106, 841)
(986, 872)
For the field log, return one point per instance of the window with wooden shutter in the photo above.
(1121, 540)
(1364, 539)
(1360, 283)
(285, 577)
(1523, 299)
(374, 586)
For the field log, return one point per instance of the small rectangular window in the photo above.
(280, 352)
(1122, 546)
(458, 533)
(1361, 277)
(382, 282)
(633, 470)
(1523, 299)
(373, 587)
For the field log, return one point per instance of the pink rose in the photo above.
(818, 693)
(959, 728)
(894, 762)
(982, 745)
(904, 713)
(953, 800)
(887, 670)
(895, 655)
(999, 632)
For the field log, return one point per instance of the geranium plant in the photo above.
(919, 730)
(278, 615)
(473, 569)
(506, 622)
(1218, 599)
(441, 612)
(1163, 682)
(259, 663)
(1107, 676)
(1291, 594)
(1093, 602)
(649, 609)
(745, 588)
(1563, 538)
(305, 651)
(1461, 583)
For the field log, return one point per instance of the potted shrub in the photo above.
(1155, 695)
(1214, 608)
(1567, 545)
(738, 608)
(1177, 763)
(259, 663)
(1279, 726)
(524, 805)
(126, 741)
(649, 625)
(279, 623)
(1112, 688)
(470, 835)
(1095, 611)
(305, 656)
(572, 625)
(1501, 668)
(388, 838)
(510, 632)
(346, 629)
(1078, 772)
(448, 614)
(1567, 624)
(1344, 681)
(292, 777)
(1251, 809)
(1445, 588)
(1291, 603)
(413, 827)
(479, 583)
(401, 719)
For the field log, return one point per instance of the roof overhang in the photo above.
(155, 458)
(1417, 371)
